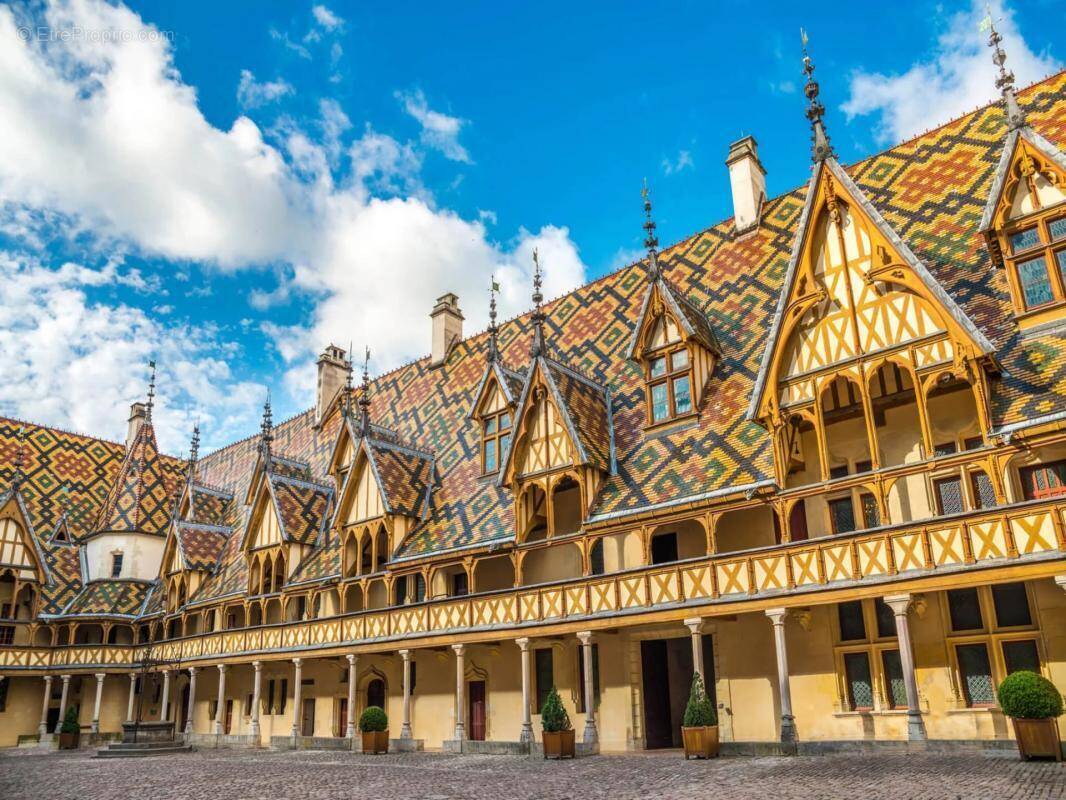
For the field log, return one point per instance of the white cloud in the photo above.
(326, 18)
(253, 94)
(106, 138)
(958, 77)
(439, 131)
(679, 164)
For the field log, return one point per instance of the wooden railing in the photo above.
(1022, 532)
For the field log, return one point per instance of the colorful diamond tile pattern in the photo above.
(110, 597)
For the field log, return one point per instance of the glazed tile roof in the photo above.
(303, 508)
(931, 191)
(141, 498)
(404, 475)
(586, 409)
(117, 597)
(201, 545)
(692, 319)
(208, 506)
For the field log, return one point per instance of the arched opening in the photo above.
(7, 595)
(804, 462)
(183, 595)
(143, 632)
(255, 615)
(89, 633)
(280, 573)
(381, 540)
(449, 581)
(567, 513)
(174, 628)
(329, 603)
(846, 440)
(120, 634)
(63, 635)
(375, 693)
(533, 512)
(377, 595)
(235, 616)
(255, 577)
(272, 612)
(410, 588)
(897, 422)
(43, 637)
(553, 563)
(266, 584)
(953, 420)
(351, 556)
(353, 598)
(366, 555)
(296, 608)
(493, 574)
(746, 528)
(620, 551)
(677, 541)
(193, 624)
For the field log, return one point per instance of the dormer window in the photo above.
(116, 565)
(495, 439)
(1036, 259)
(668, 373)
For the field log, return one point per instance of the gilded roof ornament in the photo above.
(651, 241)
(1005, 79)
(364, 397)
(538, 347)
(821, 149)
(494, 347)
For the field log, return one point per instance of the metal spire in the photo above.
(194, 448)
(537, 349)
(651, 241)
(17, 479)
(266, 429)
(494, 347)
(151, 393)
(346, 408)
(1005, 79)
(821, 149)
(364, 397)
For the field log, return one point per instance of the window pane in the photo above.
(857, 672)
(838, 472)
(596, 558)
(505, 442)
(679, 359)
(658, 366)
(490, 426)
(505, 420)
(1060, 259)
(948, 495)
(659, 406)
(545, 675)
(965, 610)
(894, 683)
(983, 493)
(842, 512)
(871, 515)
(1011, 604)
(1023, 240)
(852, 625)
(1057, 229)
(974, 443)
(1036, 285)
(945, 449)
(886, 620)
(490, 456)
(976, 674)
(682, 395)
(1021, 655)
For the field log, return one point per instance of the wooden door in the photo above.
(656, 686)
(476, 693)
(341, 728)
(307, 719)
(229, 717)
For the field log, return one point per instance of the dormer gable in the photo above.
(853, 288)
(20, 555)
(493, 411)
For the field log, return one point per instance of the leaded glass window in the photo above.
(1011, 604)
(857, 674)
(1021, 655)
(983, 493)
(976, 674)
(1035, 282)
(1023, 240)
(842, 512)
(895, 685)
(948, 495)
(852, 625)
(965, 610)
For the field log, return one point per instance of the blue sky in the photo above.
(228, 187)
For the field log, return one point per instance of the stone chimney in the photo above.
(447, 327)
(747, 178)
(138, 415)
(332, 372)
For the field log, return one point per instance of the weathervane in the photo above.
(364, 397)
(651, 241)
(537, 349)
(1005, 79)
(494, 349)
(815, 110)
(151, 392)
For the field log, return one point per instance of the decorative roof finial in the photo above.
(364, 397)
(194, 444)
(651, 241)
(151, 393)
(537, 349)
(815, 110)
(494, 347)
(1005, 79)
(266, 429)
(17, 479)
(346, 408)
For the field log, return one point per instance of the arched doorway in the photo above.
(375, 693)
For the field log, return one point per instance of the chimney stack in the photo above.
(747, 178)
(447, 327)
(332, 372)
(138, 415)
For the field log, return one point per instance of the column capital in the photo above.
(66, 678)
(459, 649)
(298, 662)
(523, 643)
(695, 624)
(352, 657)
(1060, 580)
(585, 637)
(193, 670)
(223, 667)
(405, 654)
(777, 615)
(899, 603)
(133, 677)
(98, 675)
(257, 665)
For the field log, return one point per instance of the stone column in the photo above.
(220, 706)
(257, 690)
(296, 692)
(42, 729)
(695, 626)
(590, 735)
(405, 731)
(96, 705)
(192, 699)
(63, 701)
(164, 706)
(460, 690)
(133, 697)
(788, 722)
(900, 604)
(527, 719)
(353, 661)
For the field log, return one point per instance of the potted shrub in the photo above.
(70, 730)
(558, 732)
(374, 726)
(699, 726)
(1032, 702)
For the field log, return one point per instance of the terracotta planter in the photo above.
(700, 742)
(559, 744)
(1037, 738)
(69, 741)
(375, 741)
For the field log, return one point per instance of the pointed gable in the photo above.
(499, 388)
(1031, 175)
(302, 508)
(385, 476)
(140, 500)
(19, 550)
(264, 529)
(693, 324)
(853, 287)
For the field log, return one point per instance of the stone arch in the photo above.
(556, 562)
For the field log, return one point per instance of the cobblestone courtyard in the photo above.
(248, 776)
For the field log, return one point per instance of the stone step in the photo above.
(145, 745)
(172, 748)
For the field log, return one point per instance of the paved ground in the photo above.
(211, 775)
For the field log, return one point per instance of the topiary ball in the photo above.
(373, 720)
(1026, 695)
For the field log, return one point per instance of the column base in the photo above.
(255, 729)
(94, 728)
(526, 735)
(788, 729)
(350, 731)
(405, 731)
(590, 736)
(915, 727)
